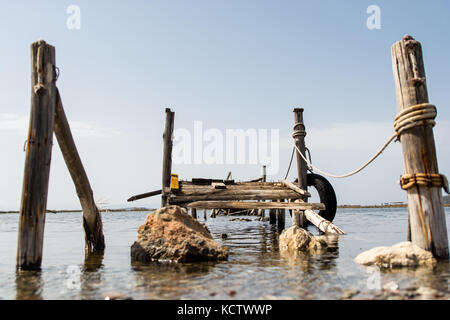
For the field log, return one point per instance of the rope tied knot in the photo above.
(409, 180)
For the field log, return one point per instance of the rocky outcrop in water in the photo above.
(170, 234)
(297, 239)
(403, 254)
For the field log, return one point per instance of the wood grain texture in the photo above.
(425, 205)
(92, 220)
(33, 203)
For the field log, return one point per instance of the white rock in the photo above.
(403, 254)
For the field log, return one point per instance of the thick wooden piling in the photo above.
(38, 157)
(425, 205)
(299, 137)
(167, 156)
(92, 220)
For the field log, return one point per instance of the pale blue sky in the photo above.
(230, 64)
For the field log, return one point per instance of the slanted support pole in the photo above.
(167, 157)
(427, 226)
(38, 157)
(299, 134)
(92, 220)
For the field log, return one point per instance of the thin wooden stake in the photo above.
(38, 157)
(425, 206)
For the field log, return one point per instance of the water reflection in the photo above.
(156, 280)
(91, 275)
(29, 285)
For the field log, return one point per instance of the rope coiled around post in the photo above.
(418, 115)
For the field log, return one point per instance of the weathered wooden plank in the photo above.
(254, 205)
(167, 156)
(33, 203)
(234, 195)
(425, 205)
(294, 187)
(321, 223)
(92, 220)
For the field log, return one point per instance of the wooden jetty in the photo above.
(228, 195)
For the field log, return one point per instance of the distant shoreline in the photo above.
(342, 206)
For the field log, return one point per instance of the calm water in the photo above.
(254, 269)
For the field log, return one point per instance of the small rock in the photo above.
(113, 296)
(426, 293)
(391, 287)
(297, 239)
(348, 294)
(403, 254)
(232, 293)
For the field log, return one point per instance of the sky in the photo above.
(230, 65)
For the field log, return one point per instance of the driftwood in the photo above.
(425, 206)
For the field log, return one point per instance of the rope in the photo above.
(417, 115)
(437, 180)
(290, 163)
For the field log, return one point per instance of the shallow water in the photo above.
(254, 269)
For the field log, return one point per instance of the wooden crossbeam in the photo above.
(255, 205)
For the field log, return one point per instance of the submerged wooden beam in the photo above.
(33, 203)
(254, 205)
(92, 220)
(425, 206)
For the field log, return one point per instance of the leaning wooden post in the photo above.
(92, 220)
(167, 157)
(38, 157)
(425, 205)
(299, 137)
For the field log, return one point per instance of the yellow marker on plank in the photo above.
(174, 181)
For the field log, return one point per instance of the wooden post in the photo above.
(92, 220)
(425, 205)
(280, 218)
(167, 157)
(261, 212)
(194, 213)
(273, 216)
(38, 157)
(299, 137)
